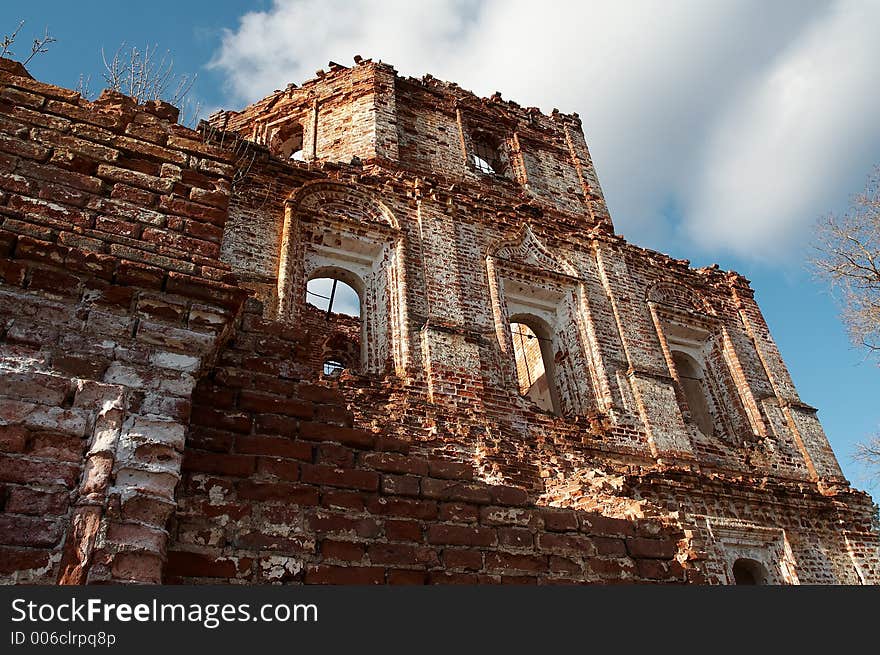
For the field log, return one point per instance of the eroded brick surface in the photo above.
(164, 410)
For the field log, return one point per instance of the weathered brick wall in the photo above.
(279, 486)
(112, 299)
(155, 426)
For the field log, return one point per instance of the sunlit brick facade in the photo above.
(167, 415)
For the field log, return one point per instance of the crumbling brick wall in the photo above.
(280, 486)
(156, 425)
(112, 299)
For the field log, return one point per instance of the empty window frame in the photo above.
(749, 572)
(333, 369)
(486, 155)
(535, 368)
(287, 142)
(333, 296)
(693, 384)
(334, 292)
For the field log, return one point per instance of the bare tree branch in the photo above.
(848, 248)
(8, 41)
(39, 46)
(147, 75)
(848, 257)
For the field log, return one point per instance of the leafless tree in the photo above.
(84, 86)
(39, 46)
(868, 454)
(149, 74)
(849, 258)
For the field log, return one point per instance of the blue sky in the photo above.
(721, 131)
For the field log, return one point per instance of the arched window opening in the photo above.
(333, 369)
(533, 351)
(333, 296)
(749, 572)
(287, 142)
(486, 155)
(690, 373)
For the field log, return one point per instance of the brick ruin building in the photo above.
(522, 397)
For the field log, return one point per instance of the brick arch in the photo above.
(678, 295)
(334, 225)
(336, 200)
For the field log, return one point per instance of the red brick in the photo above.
(559, 520)
(139, 275)
(318, 394)
(183, 207)
(394, 463)
(611, 568)
(265, 403)
(604, 525)
(509, 495)
(347, 436)
(564, 565)
(457, 535)
(459, 512)
(402, 555)
(519, 580)
(212, 292)
(220, 464)
(609, 546)
(345, 575)
(440, 468)
(340, 477)
(333, 454)
(295, 494)
(332, 498)
(469, 560)
(273, 446)
(272, 424)
(404, 577)
(198, 565)
(216, 397)
(515, 538)
(283, 469)
(24, 471)
(656, 548)
(325, 523)
(400, 485)
(342, 550)
(213, 418)
(54, 282)
(567, 543)
(402, 530)
(13, 439)
(442, 577)
(452, 490)
(392, 444)
(21, 559)
(508, 561)
(405, 507)
(16, 530)
(653, 569)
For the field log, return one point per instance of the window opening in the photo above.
(333, 296)
(531, 368)
(691, 376)
(749, 572)
(486, 158)
(333, 369)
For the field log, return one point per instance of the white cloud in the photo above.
(797, 142)
(751, 118)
